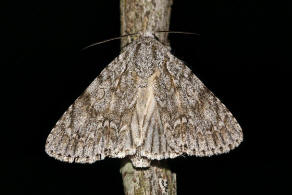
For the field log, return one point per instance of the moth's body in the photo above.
(146, 105)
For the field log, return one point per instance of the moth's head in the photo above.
(146, 40)
(147, 34)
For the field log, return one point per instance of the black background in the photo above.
(240, 56)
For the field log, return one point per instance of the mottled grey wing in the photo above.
(190, 119)
(94, 126)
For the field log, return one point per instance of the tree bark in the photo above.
(157, 179)
(146, 16)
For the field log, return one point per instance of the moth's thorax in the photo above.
(147, 55)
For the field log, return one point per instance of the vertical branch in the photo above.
(146, 16)
(157, 179)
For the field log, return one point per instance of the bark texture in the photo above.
(157, 179)
(146, 16)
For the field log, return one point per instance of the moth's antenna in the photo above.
(107, 40)
(178, 32)
(115, 38)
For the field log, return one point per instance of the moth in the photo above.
(145, 105)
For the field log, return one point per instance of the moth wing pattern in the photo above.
(194, 120)
(147, 105)
(88, 131)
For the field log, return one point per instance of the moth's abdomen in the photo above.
(145, 113)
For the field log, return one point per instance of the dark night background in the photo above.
(240, 56)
